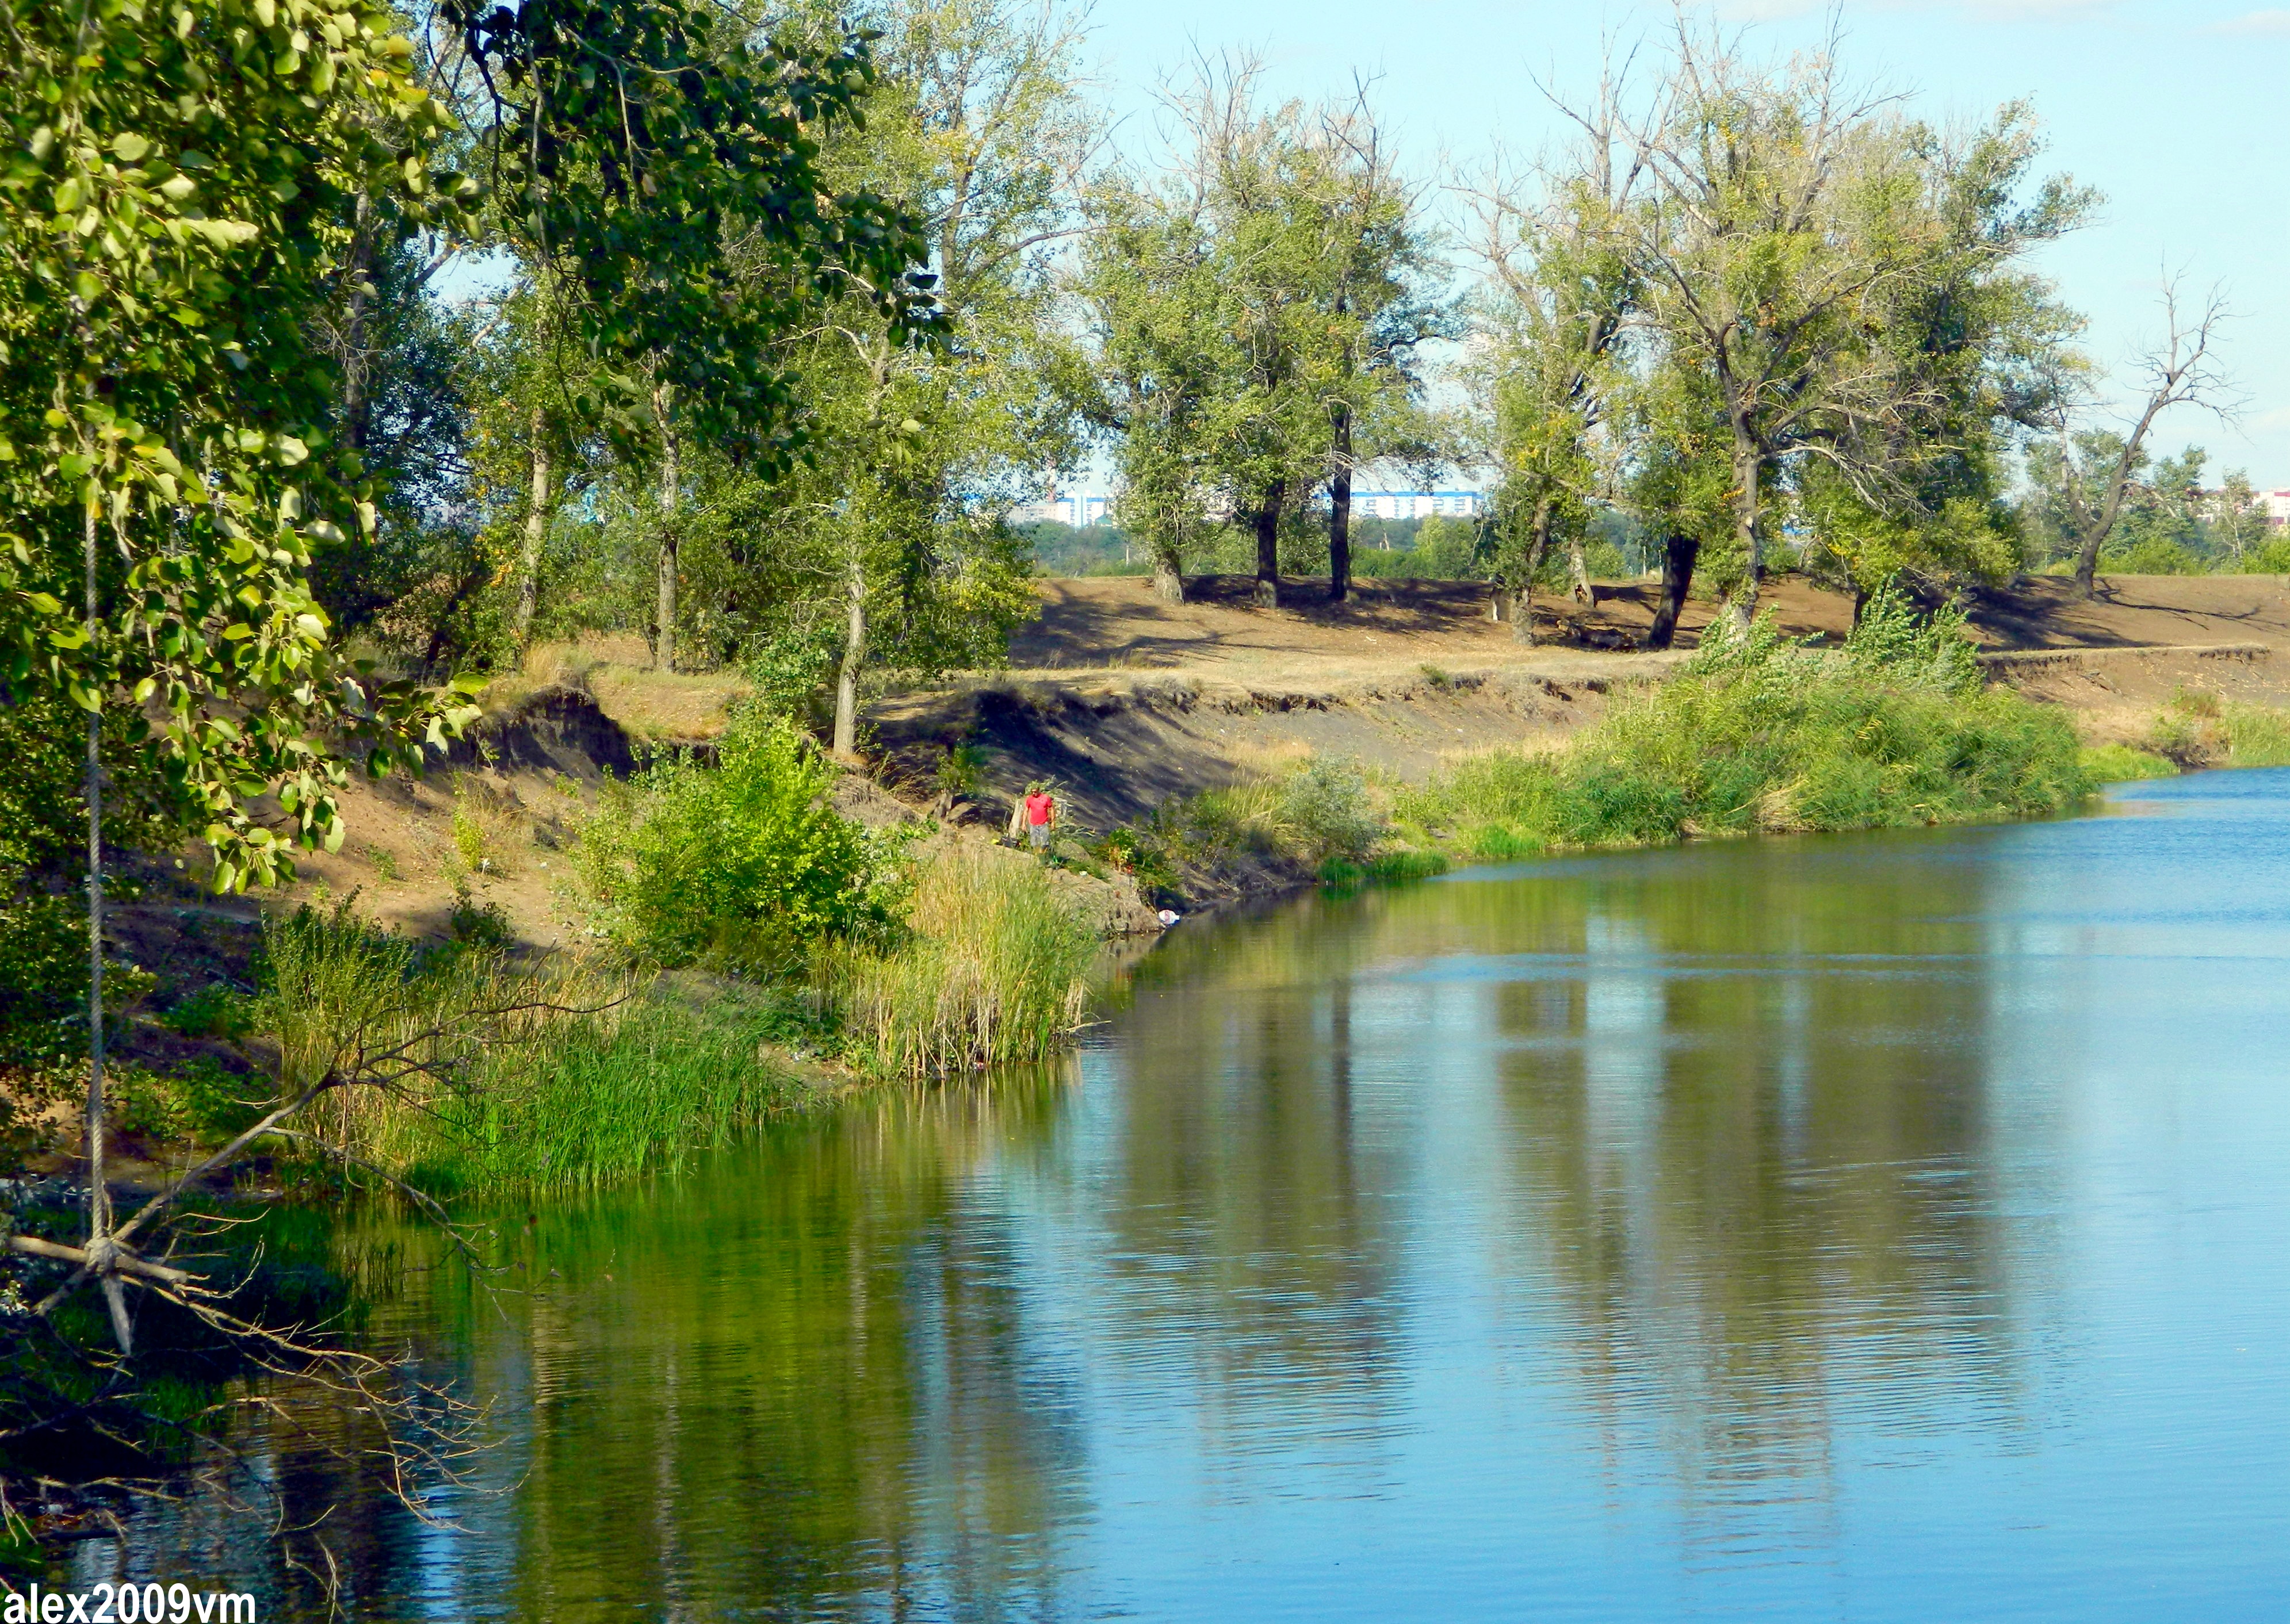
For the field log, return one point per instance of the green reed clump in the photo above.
(1760, 734)
(2257, 736)
(992, 966)
(611, 1096)
(453, 1065)
(2121, 763)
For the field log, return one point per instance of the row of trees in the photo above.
(1745, 311)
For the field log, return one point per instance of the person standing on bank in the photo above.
(1037, 814)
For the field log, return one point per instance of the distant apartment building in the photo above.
(1416, 504)
(1080, 509)
(2276, 506)
(1077, 508)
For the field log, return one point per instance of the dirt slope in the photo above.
(1126, 701)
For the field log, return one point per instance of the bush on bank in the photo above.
(916, 960)
(743, 862)
(1759, 733)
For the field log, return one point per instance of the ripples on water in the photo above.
(1861, 1228)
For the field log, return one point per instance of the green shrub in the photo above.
(2120, 763)
(1325, 812)
(992, 967)
(213, 1012)
(743, 862)
(631, 1091)
(1892, 640)
(1758, 733)
(2257, 736)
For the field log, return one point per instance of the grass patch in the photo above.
(2120, 763)
(992, 967)
(611, 1098)
(2257, 736)
(483, 1073)
(1384, 868)
(1761, 734)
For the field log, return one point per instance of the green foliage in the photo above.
(743, 861)
(1326, 814)
(43, 983)
(636, 1090)
(1256, 309)
(2257, 736)
(1759, 735)
(214, 1011)
(1384, 868)
(958, 771)
(2121, 763)
(1893, 639)
(991, 967)
(625, 181)
(169, 224)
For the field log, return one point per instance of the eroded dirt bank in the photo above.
(1127, 703)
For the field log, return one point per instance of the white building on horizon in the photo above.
(1083, 509)
(1417, 504)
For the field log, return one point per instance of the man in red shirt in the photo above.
(1037, 814)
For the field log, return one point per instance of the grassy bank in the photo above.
(990, 967)
(1759, 735)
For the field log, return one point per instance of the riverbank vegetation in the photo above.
(1894, 730)
(1755, 734)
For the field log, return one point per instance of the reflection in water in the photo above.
(1882, 1228)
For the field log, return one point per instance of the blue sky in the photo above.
(2176, 111)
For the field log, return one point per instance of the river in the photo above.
(1867, 1228)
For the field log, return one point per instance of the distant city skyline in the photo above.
(1083, 509)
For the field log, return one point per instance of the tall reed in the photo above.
(464, 1069)
(993, 967)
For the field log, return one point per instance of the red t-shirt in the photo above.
(1038, 809)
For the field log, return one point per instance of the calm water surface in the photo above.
(1886, 1227)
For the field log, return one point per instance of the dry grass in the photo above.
(651, 706)
(993, 968)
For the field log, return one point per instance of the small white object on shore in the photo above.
(1168, 916)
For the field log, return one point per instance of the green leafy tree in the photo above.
(172, 212)
(895, 525)
(661, 159)
(1555, 314)
(1257, 305)
(1777, 211)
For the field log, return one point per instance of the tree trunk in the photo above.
(2087, 572)
(846, 677)
(540, 501)
(1340, 512)
(1168, 576)
(1678, 555)
(101, 1249)
(355, 407)
(671, 496)
(1521, 624)
(1748, 466)
(1268, 545)
(1578, 574)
